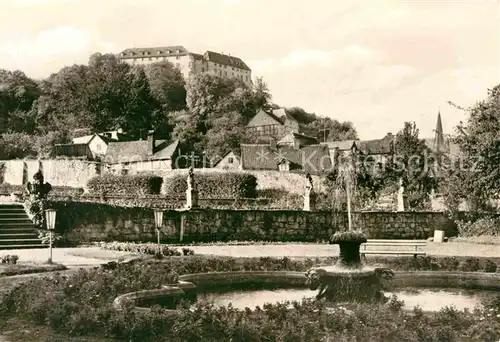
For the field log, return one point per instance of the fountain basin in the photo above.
(427, 299)
(269, 286)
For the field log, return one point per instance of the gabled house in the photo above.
(91, 147)
(297, 140)
(379, 151)
(98, 144)
(273, 125)
(144, 156)
(313, 159)
(230, 161)
(265, 124)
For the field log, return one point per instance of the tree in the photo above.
(63, 104)
(206, 94)
(167, 85)
(475, 175)
(261, 94)
(327, 129)
(225, 135)
(140, 104)
(107, 91)
(213, 102)
(187, 130)
(17, 94)
(411, 166)
(352, 183)
(301, 115)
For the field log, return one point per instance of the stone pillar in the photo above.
(401, 198)
(309, 201)
(191, 198)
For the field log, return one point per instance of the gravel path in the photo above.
(324, 250)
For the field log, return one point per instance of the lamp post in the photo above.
(158, 224)
(50, 218)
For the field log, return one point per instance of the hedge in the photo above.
(216, 185)
(125, 185)
(6, 188)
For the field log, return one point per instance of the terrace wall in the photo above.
(101, 222)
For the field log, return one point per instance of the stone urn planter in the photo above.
(349, 244)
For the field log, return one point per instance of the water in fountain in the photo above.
(348, 279)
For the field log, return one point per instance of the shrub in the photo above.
(447, 225)
(67, 191)
(6, 188)
(489, 266)
(216, 185)
(10, 259)
(469, 265)
(482, 226)
(130, 185)
(2, 172)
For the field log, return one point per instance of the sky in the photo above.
(375, 63)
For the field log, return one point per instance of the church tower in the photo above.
(439, 140)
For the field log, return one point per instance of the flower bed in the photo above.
(82, 304)
(144, 248)
(18, 269)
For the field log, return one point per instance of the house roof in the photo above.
(163, 51)
(83, 140)
(197, 56)
(312, 158)
(86, 139)
(259, 119)
(217, 161)
(342, 145)
(296, 135)
(377, 146)
(136, 151)
(220, 58)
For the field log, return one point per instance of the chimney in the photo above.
(296, 143)
(151, 143)
(272, 144)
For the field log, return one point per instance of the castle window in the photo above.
(159, 52)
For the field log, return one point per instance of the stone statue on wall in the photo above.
(191, 184)
(309, 185)
(191, 192)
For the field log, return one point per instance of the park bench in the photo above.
(410, 247)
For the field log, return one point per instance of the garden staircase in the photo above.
(17, 231)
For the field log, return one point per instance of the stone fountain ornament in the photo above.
(349, 279)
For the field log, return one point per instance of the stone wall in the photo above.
(58, 172)
(102, 222)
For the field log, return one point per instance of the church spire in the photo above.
(439, 142)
